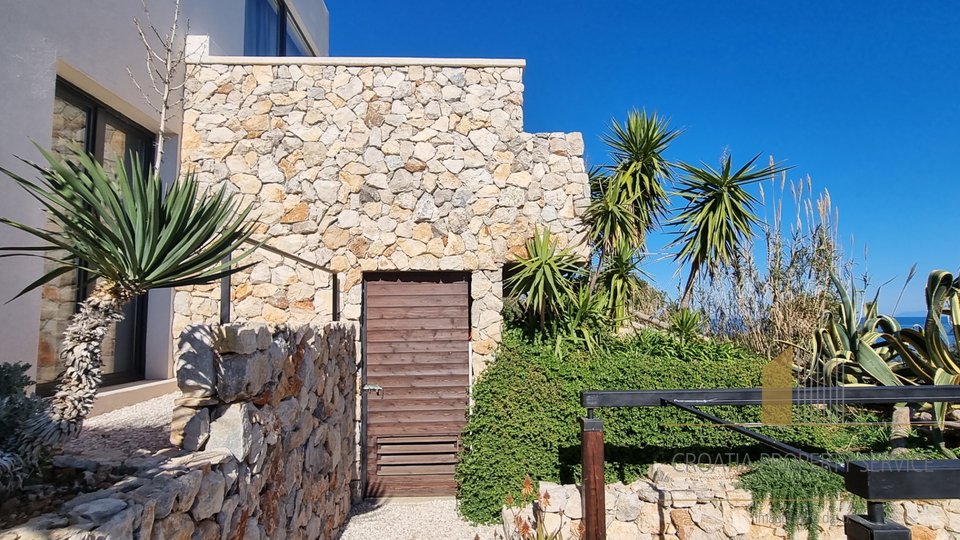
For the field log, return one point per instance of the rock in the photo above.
(238, 338)
(425, 210)
(71, 461)
(210, 496)
(190, 427)
(242, 376)
(708, 517)
(230, 429)
(619, 530)
(97, 511)
(189, 487)
(196, 376)
(683, 523)
(557, 496)
(627, 508)
(118, 526)
(484, 140)
(648, 520)
(574, 506)
(206, 530)
(173, 527)
(683, 498)
(164, 491)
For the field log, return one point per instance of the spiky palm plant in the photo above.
(543, 280)
(640, 172)
(718, 217)
(131, 235)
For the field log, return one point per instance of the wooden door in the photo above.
(416, 347)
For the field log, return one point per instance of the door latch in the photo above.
(373, 388)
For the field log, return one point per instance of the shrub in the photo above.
(15, 408)
(526, 405)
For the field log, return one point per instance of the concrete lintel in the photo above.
(350, 61)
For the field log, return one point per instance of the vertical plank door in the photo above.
(417, 330)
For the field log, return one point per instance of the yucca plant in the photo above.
(130, 235)
(544, 277)
(718, 217)
(622, 281)
(640, 172)
(686, 324)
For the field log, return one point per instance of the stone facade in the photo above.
(269, 423)
(677, 502)
(376, 168)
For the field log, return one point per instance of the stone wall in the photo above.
(376, 168)
(686, 503)
(268, 425)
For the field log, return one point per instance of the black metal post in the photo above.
(335, 284)
(225, 295)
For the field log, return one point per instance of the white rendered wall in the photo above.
(90, 43)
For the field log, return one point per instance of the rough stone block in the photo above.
(231, 429)
(174, 527)
(121, 525)
(557, 495)
(239, 338)
(196, 376)
(97, 511)
(210, 497)
(242, 376)
(190, 427)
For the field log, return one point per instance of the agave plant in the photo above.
(131, 235)
(875, 350)
(927, 351)
(850, 350)
(543, 280)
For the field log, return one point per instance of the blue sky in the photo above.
(862, 96)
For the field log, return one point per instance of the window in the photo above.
(270, 30)
(80, 120)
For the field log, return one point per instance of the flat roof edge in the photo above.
(350, 61)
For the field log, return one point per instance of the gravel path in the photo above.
(412, 520)
(145, 425)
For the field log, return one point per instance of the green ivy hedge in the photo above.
(527, 402)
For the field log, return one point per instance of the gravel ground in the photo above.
(412, 520)
(145, 425)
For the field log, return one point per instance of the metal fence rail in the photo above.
(874, 481)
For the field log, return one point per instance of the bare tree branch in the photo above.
(162, 65)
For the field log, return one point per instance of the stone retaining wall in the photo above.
(268, 425)
(686, 503)
(376, 168)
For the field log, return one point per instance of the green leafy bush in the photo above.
(526, 405)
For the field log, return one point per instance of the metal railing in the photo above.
(874, 481)
(225, 282)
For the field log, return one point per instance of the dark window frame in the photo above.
(98, 115)
(284, 16)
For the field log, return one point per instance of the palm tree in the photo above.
(629, 197)
(718, 217)
(130, 235)
(628, 200)
(622, 281)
